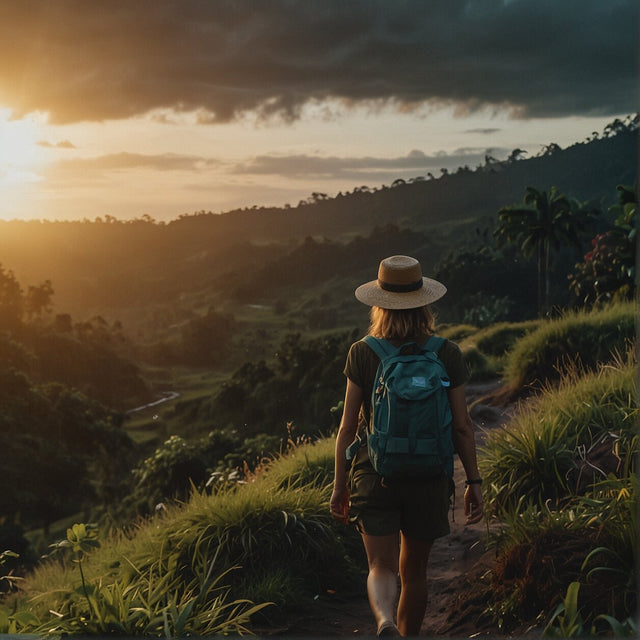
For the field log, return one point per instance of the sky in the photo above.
(129, 108)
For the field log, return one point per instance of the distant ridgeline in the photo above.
(103, 264)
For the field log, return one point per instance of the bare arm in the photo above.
(465, 445)
(346, 435)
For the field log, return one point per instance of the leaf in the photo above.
(619, 630)
(4, 620)
(26, 618)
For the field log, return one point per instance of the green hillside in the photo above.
(560, 489)
(103, 266)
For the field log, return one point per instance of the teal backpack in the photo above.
(409, 435)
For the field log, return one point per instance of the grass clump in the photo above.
(485, 349)
(500, 338)
(591, 542)
(199, 567)
(561, 480)
(575, 432)
(587, 338)
(456, 332)
(481, 367)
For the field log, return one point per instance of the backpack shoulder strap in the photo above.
(380, 346)
(433, 344)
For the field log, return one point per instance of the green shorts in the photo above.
(418, 508)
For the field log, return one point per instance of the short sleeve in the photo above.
(353, 368)
(454, 363)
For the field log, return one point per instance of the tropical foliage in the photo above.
(545, 221)
(608, 272)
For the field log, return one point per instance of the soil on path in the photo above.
(457, 594)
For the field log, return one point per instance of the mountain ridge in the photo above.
(88, 260)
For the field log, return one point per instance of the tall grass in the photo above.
(591, 542)
(457, 332)
(587, 338)
(498, 339)
(485, 349)
(561, 479)
(199, 566)
(544, 450)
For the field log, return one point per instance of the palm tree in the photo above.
(543, 221)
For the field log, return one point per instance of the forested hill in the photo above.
(87, 260)
(584, 171)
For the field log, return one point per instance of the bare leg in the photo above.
(382, 582)
(414, 555)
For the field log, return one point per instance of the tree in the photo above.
(515, 155)
(544, 221)
(11, 301)
(608, 271)
(550, 149)
(205, 340)
(38, 300)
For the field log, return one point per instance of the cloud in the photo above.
(93, 170)
(327, 167)
(223, 58)
(125, 160)
(64, 144)
(483, 131)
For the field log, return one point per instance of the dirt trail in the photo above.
(451, 562)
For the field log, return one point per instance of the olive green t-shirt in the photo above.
(362, 365)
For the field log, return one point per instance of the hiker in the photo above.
(399, 519)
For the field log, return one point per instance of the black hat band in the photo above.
(401, 288)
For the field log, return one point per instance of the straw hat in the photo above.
(400, 285)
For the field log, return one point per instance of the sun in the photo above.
(21, 156)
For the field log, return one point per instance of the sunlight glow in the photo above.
(20, 154)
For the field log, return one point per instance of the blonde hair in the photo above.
(401, 323)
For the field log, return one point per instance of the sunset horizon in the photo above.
(124, 111)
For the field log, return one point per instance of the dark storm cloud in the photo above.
(90, 61)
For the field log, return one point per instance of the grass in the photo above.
(587, 338)
(481, 367)
(537, 457)
(212, 558)
(561, 480)
(456, 332)
(208, 565)
(485, 350)
(544, 552)
(499, 339)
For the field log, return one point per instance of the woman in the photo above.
(399, 521)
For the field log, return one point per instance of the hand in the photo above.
(473, 503)
(339, 505)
